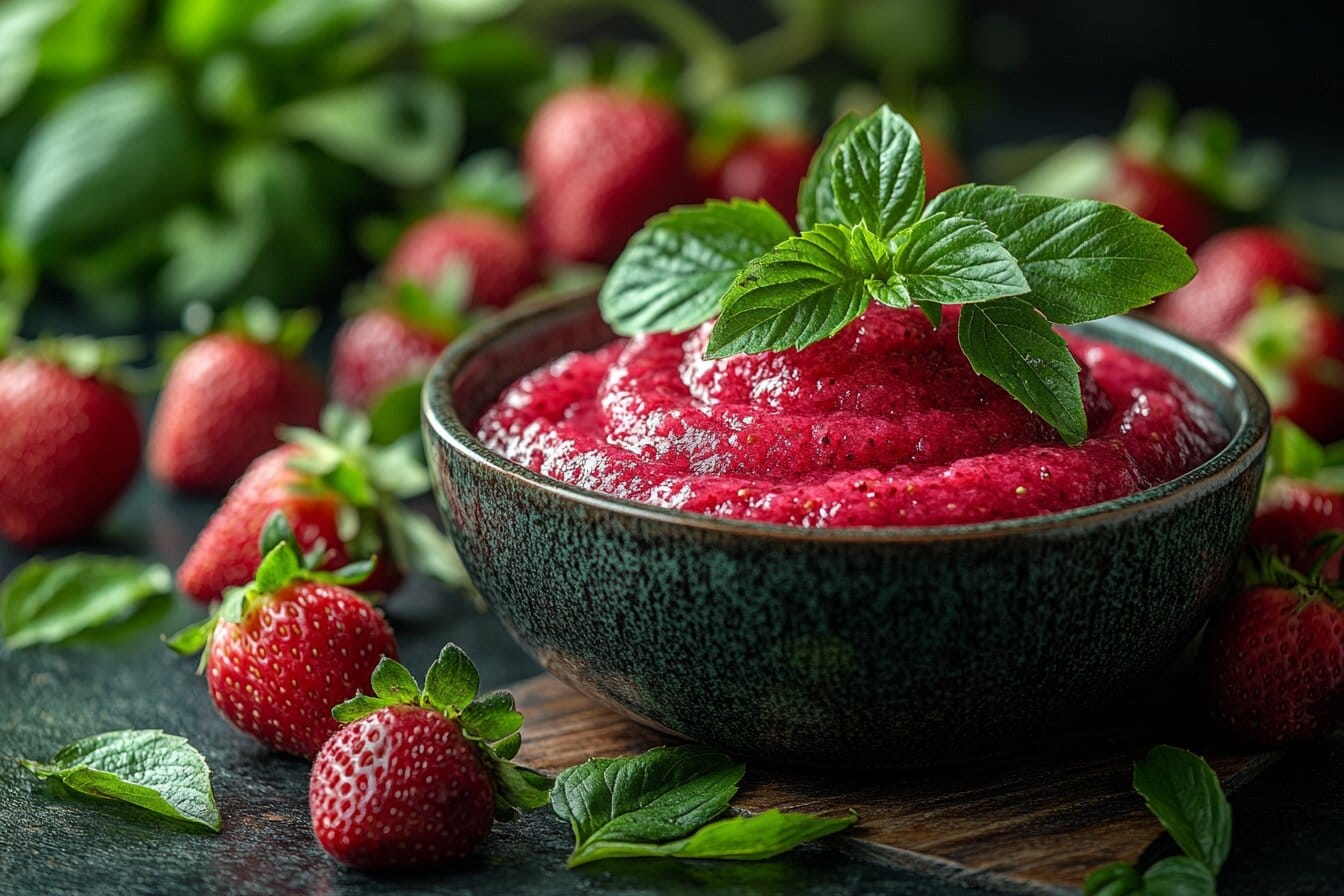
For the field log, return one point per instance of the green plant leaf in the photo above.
(396, 413)
(1084, 259)
(278, 568)
(951, 260)
(878, 176)
(452, 680)
(403, 129)
(22, 24)
(1184, 793)
(394, 683)
(359, 706)
(804, 290)
(492, 717)
(664, 794)
(195, 28)
(519, 787)
(155, 771)
(673, 274)
(1115, 879)
(50, 601)
(1293, 453)
(1179, 876)
(488, 180)
(1009, 342)
(816, 195)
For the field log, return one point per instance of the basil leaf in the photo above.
(156, 771)
(452, 680)
(952, 260)
(878, 179)
(661, 795)
(675, 271)
(1184, 793)
(816, 194)
(492, 717)
(1084, 259)
(804, 290)
(1009, 342)
(50, 601)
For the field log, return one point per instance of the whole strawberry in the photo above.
(69, 440)
(601, 161)
(1302, 501)
(1273, 657)
(279, 653)
(418, 777)
(228, 393)
(380, 349)
(340, 495)
(767, 166)
(1234, 268)
(1150, 191)
(494, 252)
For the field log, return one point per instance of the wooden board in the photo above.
(1034, 823)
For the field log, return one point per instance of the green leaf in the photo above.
(195, 28)
(953, 260)
(804, 290)
(278, 568)
(492, 717)
(118, 151)
(661, 795)
(277, 531)
(1115, 879)
(452, 680)
(488, 180)
(1293, 453)
(1179, 876)
(673, 274)
(50, 601)
(22, 24)
(396, 413)
(193, 638)
(156, 771)
(519, 787)
(404, 129)
(816, 195)
(1009, 342)
(508, 747)
(394, 683)
(359, 706)
(1084, 259)
(1184, 793)
(878, 179)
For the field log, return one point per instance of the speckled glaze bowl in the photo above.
(846, 647)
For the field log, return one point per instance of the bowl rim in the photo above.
(1243, 449)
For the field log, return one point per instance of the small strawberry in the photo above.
(1150, 191)
(601, 161)
(494, 252)
(419, 777)
(228, 393)
(339, 493)
(1234, 268)
(69, 438)
(1302, 500)
(280, 652)
(1273, 656)
(767, 166)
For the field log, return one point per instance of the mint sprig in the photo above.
(1023, 262)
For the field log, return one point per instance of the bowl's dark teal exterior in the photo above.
(862, 648)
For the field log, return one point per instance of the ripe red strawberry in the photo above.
(767, 166)
(419, 777)
(1273, 658)
(601, 161)
(337, 492)
(1152, 192)
(280, 653)
(378, 350)
(1293, 514)
(226, 396)
(69, 443)
(494, 251)
(942, 168)
(1234, 267)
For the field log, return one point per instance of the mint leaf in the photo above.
(156, 771)
(1184, 793)
(664, 794)
(452, 681)
(804, 290)
(951, 260)
(816, 195)
(878, 179)
(393, 682)
(673, 273)
(754, 837)
(1009, 342)
(492, 717)
(51, 601)
(1084, 259)
(1115, 879)
(1176, 876)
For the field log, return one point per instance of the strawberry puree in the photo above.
(884, 425)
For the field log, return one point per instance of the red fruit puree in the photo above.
(883, 425)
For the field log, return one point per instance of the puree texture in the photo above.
(883, 425)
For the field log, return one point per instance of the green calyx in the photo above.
(491, 722)
(103, 359)
(256, 320)
(1293, 454)
(441, 309)
(283, 562)
(1267, 568)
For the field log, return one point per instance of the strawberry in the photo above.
(338, 492)
(227, 394)
(1302, 501)
(767, 166)
(1234, 267)
(1151, 191)
(378, 350)
(279, 653)
(419, 777)
(494, 251)
(1273, 657)
(601, 161)
(69, 439)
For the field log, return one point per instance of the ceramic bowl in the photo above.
(861, 648)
